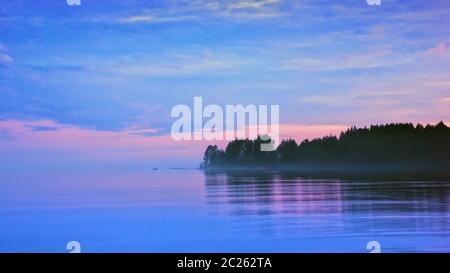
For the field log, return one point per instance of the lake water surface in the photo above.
(190, 211)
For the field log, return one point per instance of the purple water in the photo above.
(189, 211)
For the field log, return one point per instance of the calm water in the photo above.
(188, 211)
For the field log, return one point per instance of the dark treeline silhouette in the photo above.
(400, 145)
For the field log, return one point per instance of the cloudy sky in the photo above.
(98, 81)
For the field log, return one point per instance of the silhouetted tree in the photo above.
(287, 151)
(213, 156)
(396, 144)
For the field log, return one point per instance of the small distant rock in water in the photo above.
(177, 168)
(155, 169)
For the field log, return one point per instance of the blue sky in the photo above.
(116, 65)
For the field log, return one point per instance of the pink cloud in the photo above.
(94, 144)
(438, 49)
(130, 143)
(71, 142)
(301, 132)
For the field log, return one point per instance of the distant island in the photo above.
(400, 146)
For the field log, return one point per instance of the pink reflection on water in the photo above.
(159, 188)
(274, 194)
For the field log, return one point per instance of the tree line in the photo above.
(395, 144)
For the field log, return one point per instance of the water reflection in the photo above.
(273, 193)
(287, 192)
(193, 211)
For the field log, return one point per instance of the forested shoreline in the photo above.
(395, 145)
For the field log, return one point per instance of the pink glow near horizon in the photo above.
(18, 135)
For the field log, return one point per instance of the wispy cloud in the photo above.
(155, 18)
(391, 98)
(332, 62)
(247, 9)
(5, 59)
(75, 142)
(440, 49)
(125, 144)
(251, 4)
(180, 65)
(344, 58)
(205, 10)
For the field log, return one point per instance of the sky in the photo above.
(97, 82)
